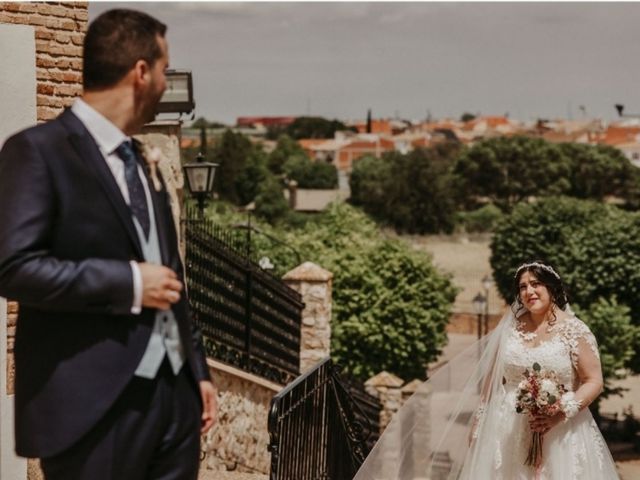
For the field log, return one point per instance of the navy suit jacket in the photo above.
(66, 239)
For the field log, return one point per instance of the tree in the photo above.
(242, 168)
(203, 122)
(310, 174)
(286, 148)
(467, 117)
(314, 127)
(597, 171)
(253, 174)
(392, 318)
(414, 193)
(367, 183)
(230, 154)
(270, 202)
(508, 170)
(595, 248)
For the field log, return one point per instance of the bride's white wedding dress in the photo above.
(573, 449)
(462, 424)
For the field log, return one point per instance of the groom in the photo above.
(111, 379)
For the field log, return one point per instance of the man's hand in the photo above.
(160, 286)
(209, 396)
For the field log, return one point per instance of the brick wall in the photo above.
(59, 32)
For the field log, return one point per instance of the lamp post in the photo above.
(479, 305)
(200, 175)
(487, 283)
(620, 110)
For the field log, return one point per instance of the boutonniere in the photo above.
(152, 156)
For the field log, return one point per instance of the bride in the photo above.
(462, 423)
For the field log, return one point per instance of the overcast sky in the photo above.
(404, 59)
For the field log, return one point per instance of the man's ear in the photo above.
(141, 73)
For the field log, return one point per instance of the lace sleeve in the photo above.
(586, 361)
(580, 340)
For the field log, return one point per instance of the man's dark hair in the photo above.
(115, 41)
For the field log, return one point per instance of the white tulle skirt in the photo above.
(573, 450)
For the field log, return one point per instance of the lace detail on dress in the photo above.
(571, 331)
(579, 456)
(598, 441)
(497, 459)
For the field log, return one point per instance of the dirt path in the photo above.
(467, 259)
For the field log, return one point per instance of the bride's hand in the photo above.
(543, 423)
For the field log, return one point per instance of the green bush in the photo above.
(611, 324)
(594, 247)
(482, 219)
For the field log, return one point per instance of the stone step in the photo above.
(217, 475)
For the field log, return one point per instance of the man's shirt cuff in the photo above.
(136, 308)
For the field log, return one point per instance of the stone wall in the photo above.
(59, 30)
(239, 440)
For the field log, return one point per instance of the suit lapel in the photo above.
(158, 199)
(88, 151)
(161, 210)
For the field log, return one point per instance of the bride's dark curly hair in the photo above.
(548, 278)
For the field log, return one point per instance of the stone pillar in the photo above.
(314, 284)
(165, 137)
(386, 387)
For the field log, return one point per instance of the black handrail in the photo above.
(318, 431)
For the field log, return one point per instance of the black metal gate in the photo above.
(248, 317)
(318, 430)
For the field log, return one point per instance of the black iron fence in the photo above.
(248, 317)
(318, 428)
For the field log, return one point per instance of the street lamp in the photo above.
(620, 109)
(479, 305)
(487, 283)
(200, 175)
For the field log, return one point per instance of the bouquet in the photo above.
(539, 393)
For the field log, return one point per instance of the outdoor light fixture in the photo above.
(178, 97)
(487, 282)
(200, 175)
(479, 305)
(620, 109)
